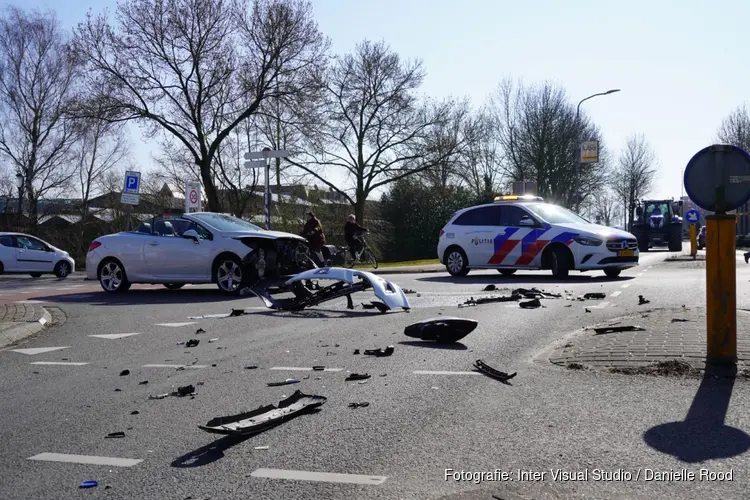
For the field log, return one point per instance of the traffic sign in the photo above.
(255, 164)
(693, 216)
(130, 199)
(132, 182)
(717, 178)
(192, 196)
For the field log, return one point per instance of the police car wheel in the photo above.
(456, 262)
(559, 263)
(507, 272)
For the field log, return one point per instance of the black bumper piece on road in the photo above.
(619, 260)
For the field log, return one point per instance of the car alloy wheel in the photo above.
(229, 276)
(111, 276)
(455, 261)
(63, 269)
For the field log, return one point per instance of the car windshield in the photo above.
(555, 214)
(226, 222)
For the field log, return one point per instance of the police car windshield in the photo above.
(226, 222)
(555, 214)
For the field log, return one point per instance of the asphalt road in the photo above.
(417, 425)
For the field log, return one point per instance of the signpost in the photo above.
(590, 152)
(131, 195)
(265, 156)
(693, 216)
(193, 196)
(717, 179)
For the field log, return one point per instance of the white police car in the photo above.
(524, 232)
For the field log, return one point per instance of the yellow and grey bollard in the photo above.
(693, 240)
(721, 289)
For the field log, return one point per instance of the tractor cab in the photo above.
(657, 223)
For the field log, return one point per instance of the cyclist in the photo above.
(316, 238)
(351, 230)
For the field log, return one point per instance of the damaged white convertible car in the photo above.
(347, 282)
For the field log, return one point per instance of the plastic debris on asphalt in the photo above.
(192, 343)
(380, 353)
(492, 372)
(363, 404)
(124, 372)
(264, 417)
(530, 304)
(286, 382)
(357, 376)
(442, 330)
(89, 484)
(115, 435)
(642, 300)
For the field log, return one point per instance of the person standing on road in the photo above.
(352, 229)
(316, 238)
(747, 257)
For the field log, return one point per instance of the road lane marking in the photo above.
(615, 294)
(303, 369)
(325, 477)
(29, 301)
(61, 363)
(174, 366)
(113, 336)
(176, 325)
(626, 285)
(86, 459)
(430, 372)
(38, 350)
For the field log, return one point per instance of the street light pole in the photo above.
(19, 185)
(578, 145)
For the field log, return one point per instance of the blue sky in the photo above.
(680, 64)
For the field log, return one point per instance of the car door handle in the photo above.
(153, 243)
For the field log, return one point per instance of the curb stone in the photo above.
(22, 330)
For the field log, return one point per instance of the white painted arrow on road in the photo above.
(114, 336)
(38, 350)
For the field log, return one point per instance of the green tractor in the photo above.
(658, 223)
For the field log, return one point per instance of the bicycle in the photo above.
(364, 255)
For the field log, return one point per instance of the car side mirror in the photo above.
(526, 222)
(191, 234)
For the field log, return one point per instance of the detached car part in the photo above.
(349, 281)
(491, 372)
(443, 330)
(264, 417)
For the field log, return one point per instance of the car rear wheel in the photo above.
(62, 269)
(229, 274)
(456, 262)
(36, 275)
(112, 277)
(612, 272)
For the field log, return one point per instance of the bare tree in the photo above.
(36, 82)
(448, 139)
(375, 130)
(101, 146)
(196, 69)
(482, 155)
(634, 176)
(606, 207)
(539, 135)
(735, 129)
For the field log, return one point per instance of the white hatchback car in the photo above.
(23, 253)
(199, 247)
(524, 232)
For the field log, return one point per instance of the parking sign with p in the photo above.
(132, 182)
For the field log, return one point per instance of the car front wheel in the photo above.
(112, 277)
(456, 262)
(62, 269)
(612, 272)
(229, 275)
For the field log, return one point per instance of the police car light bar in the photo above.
(525, 197)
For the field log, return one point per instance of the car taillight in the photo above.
(442, 233)
(94, 245)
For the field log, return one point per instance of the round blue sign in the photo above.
(693, 216)
(717, 178)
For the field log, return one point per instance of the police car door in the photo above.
(527, 232)
(480, 238)
(509, 233)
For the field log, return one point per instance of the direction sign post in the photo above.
(130, 195)
(717, 179)
(693, 216)
(266, 155)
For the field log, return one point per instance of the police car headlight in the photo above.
(586, 241)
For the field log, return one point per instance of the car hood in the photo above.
(597, 230)
(270, 235)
